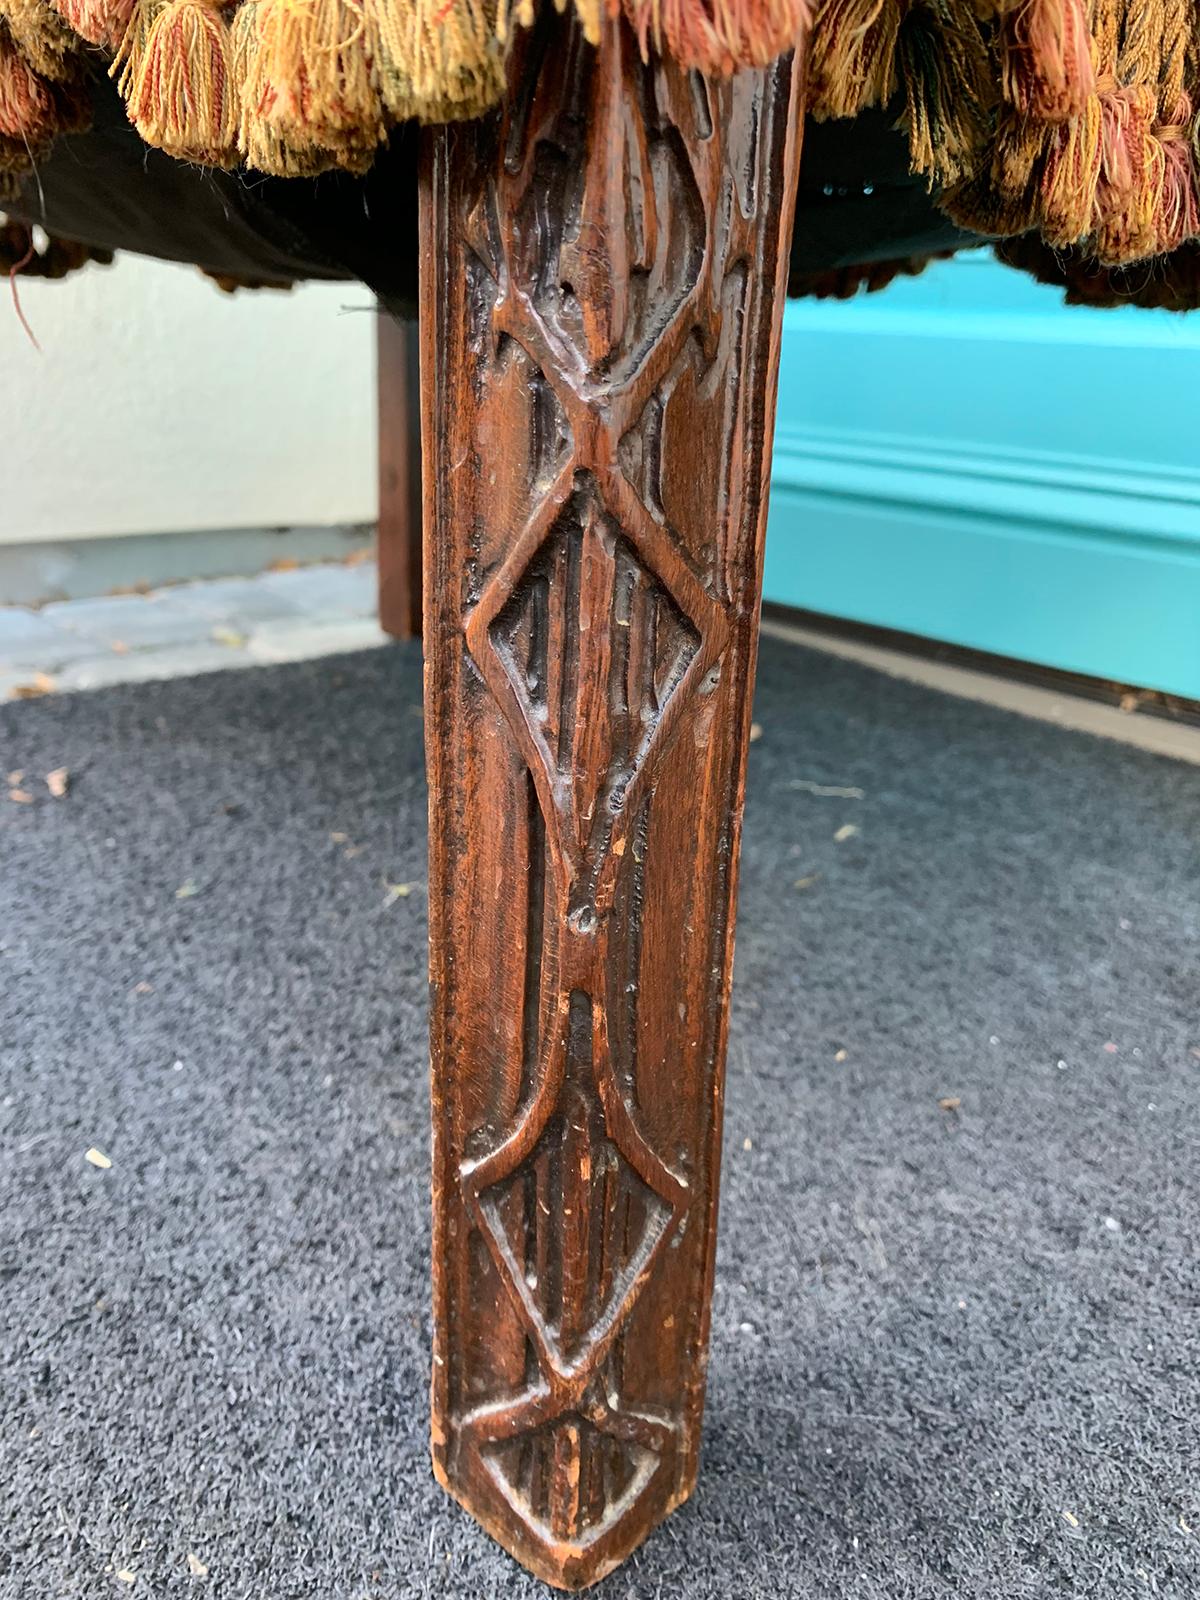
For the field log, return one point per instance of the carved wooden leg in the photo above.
(603, 272)
(399, 541)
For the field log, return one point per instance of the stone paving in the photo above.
(188, 628)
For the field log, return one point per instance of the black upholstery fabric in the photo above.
(856, 203)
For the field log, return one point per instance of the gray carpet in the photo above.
(955, 1345)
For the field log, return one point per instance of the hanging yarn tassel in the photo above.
(1177, 217)
(1132, 171)
(392, 31)
(173, 68)
(42, 37)
(852, 56)
(258, 146)
(1075, 150)
(1177, 210)
(308, 91)
(1070, 174)
(1132, 168)
(441, 60)
(102, 22)
(949, 90)
(28, 114)
(1046, 59)
(715, 37)
(1002, 198)
(34, 109)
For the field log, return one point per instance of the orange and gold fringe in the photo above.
(713, 36)
(174, 69)
(307, 85)
(100, 22)
(1095, 153)
(35, 105)
(1074, 120)
(1166, 283)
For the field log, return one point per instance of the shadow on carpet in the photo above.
(957, 1321)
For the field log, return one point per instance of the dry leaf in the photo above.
(196, 1567)
(20, 797)
(339, 838)
(950, 1102)
(41, 683)
(828, 791)
(846, 831)
(97, 1158)
(58, 782)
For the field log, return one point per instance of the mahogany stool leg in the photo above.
(399, 538)
(603, 267)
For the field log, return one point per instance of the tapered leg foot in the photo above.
(603, 269)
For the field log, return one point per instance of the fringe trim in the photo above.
(715, 37)
(99, 22)
(35, 105)
(42, 37)
(1166, 283)
(1078, 120)
(174, 69)
(1096, 150)
(22, 256)
(868, 277)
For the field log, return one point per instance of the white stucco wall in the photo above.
(159, 405)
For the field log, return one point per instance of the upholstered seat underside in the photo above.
(857, 202)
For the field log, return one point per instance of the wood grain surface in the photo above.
(400, 517)
(602, 278)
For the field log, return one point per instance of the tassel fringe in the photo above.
(173, 68)
(1076, 121)
(42, 37)
(99, 22)
(35, 106)
(713, 36)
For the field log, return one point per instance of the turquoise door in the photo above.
(965, 457)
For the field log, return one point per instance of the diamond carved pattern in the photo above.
(602, 244)
(593, 732)
(574, 1290)
(592, 634)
